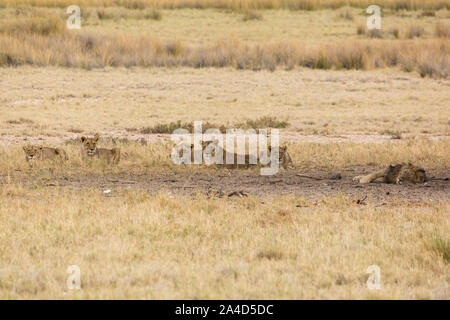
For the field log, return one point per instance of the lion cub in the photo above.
(43, 153)
(90, 149)
(397, 174)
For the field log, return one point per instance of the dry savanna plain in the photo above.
(346, 100)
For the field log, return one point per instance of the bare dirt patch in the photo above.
(223, 183)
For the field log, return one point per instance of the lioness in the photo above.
(90, 149)
(43, 153)
(284, 157)
(397, 174)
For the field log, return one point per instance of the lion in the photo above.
(43, 153)
(89, 149)
(398, 174)
(284, 157)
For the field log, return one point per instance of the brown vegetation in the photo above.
(89, 50)
(239, 4)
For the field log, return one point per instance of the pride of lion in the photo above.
(394, 174)
(284, 158)
(43, 153)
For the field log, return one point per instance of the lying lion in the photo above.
(284, 157)
(43, 153)
(89, 149)
(397, 174)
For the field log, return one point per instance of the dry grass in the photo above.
(415, 31)
(135, 245)
(433, 66)
(260, 123)
(314, 102)
(239, 4)
(37, 36)
(171, 127)
(395, 32)
(442, 246)
(252, 15)
(132, 243)
(346, 14)
(87, 50)
(32, 26)
(431, 155)
(442, 30)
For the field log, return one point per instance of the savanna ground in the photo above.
(345, 102)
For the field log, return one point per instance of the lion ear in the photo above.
(96, 138)
(40, 147)
(25, 148)
(83, 139)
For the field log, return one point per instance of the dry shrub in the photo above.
(375, 33)
(427, 14)
(395, 32)
(36, 25)
(121, 13)
(349, 56)
(440, 245)
(171, 127)
(174, 48)
(361, 29)
(441, 30)
(238, 5)
(252, 15)
(133, 4)
(434, 65)
(414, 31)
(346, 14)
(408, 63)
(260, 123)
(153, 14)
(10, 60)
(263, 122)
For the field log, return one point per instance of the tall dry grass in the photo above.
(239, 4)
(137, 158)
(25, 42)
(442, 30)
(34, 25)
(134, 245)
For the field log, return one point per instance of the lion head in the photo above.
(32, 152)
(89, 144)
(284, 158)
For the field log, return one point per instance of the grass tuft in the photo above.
(263, 122)
(441, 246)
(252, 15)
(153, 15)
(414, 31)
(442, 30)
(30, 26)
